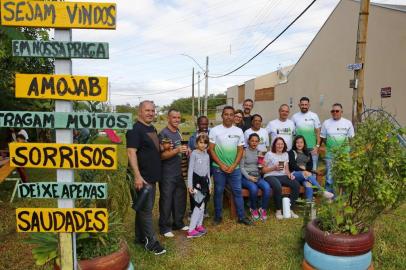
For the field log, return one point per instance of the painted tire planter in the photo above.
(307, 266)
(323, 261)
(338, 244)
(119, 260)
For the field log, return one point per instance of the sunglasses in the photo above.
(335, 111)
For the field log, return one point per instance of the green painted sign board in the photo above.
(60, 49)
(25, 119)
(60, 190)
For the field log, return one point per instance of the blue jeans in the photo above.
(329, 178)
(303, 181)
(234, 180)
(253, 189)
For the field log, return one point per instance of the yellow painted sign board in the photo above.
(62, 220)
(51, 14)
(63, 156)
(66, 87)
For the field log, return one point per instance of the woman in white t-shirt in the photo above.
(256, 124)
(277, 174)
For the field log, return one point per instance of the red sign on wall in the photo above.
(386, 92)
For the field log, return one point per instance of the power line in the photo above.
(272, 41)
(159, 92)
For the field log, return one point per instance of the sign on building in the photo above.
(386, 92)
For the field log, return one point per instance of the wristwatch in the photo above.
(317, 145)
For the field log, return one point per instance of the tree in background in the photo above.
(10, 65)
(184, 105)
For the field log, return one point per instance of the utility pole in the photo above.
(199, 108)
(193, 96)
(206, 90)
(360, 53)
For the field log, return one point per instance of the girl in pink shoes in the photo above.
(199, 184)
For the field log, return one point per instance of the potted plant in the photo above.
(95, 251)
(369, 180)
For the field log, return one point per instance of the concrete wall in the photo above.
(321, 72)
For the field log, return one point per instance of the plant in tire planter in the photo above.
(368, 180)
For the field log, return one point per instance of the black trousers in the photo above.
(276, 183)
(172, 203)
(143, 219)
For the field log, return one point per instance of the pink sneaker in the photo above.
(201, 229)
(262, 213)
(255, 214)
(193, 234)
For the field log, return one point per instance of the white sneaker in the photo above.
(169, 234)
(328, 195)
(186, 228)
(293, 215)
(278, 214)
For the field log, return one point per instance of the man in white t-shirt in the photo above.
(335, 132)
(307, 124)
(226, 150)
(282, 127)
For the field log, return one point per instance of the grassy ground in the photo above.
(267, 245)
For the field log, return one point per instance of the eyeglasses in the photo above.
(236, 116)
(335, 111)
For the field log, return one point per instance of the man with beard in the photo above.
(247, 105)
(308, 125)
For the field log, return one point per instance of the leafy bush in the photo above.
(368, 180)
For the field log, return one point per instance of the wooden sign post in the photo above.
(64, 88)
(67, 241)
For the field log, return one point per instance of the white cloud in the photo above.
(150, 36)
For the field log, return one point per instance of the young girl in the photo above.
(277, 174)
(199, 184)
(301, 164)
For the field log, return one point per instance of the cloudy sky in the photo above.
(146, 60)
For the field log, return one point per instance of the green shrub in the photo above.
(368, 180)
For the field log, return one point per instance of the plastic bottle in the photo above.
(286, 207)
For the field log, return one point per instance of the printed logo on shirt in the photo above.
(284, 131)
(342, 129)
(233, 136)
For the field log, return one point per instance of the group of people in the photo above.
(239, 153)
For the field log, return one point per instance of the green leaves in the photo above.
(46, 247)
(368, 180)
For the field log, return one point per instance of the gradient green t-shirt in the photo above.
(305, 124)
(336, 132)
(226, 142)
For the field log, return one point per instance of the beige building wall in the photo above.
(321, 72)
(265, 81)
